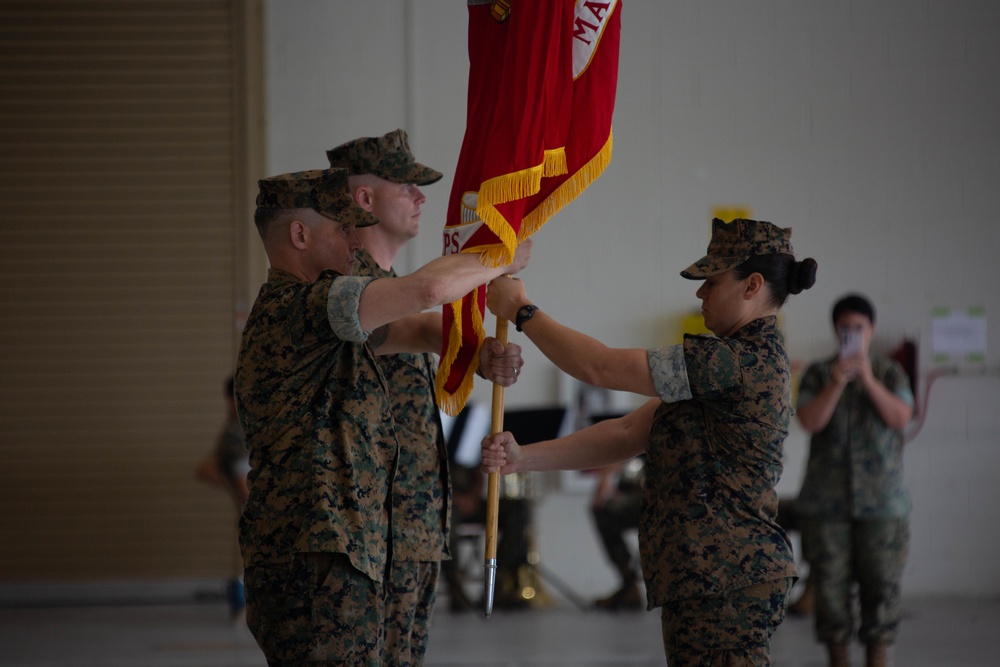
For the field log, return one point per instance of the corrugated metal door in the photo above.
(122, 243)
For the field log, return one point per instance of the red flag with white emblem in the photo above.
(542, 84)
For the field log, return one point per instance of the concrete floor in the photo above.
(198, 632)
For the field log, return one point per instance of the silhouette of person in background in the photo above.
(226, 467)
(615, 508)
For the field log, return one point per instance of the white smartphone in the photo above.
(850, 342)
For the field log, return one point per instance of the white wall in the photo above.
(869, 127)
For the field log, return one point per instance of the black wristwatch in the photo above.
(524, 313)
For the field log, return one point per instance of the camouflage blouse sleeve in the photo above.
(342, 307)
(898, 382)
(669, 372)
(715, 366)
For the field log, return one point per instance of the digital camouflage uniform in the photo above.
(854, 507)
(323, 453)
(420, 510)
(712, 554)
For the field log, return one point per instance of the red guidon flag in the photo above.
(542, 83)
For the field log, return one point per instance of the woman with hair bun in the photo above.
(713, 557)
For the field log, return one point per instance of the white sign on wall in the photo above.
(958, 335)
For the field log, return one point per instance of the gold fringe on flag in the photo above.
(555, 162)
(568, 190)
(453, 403)
(498, 190)
(501, 189)
(509, 187)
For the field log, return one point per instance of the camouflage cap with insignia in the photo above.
(387, 157)
(323, 190)
(735, 242)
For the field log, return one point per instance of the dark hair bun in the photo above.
(802, 275)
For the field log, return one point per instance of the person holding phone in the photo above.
(853, 503)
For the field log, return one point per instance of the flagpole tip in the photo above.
(489, 582)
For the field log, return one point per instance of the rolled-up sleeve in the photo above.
(342, 307)
(809, 386)
(669, 371)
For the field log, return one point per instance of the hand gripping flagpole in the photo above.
(493, 490)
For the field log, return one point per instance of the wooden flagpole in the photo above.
(493, 490)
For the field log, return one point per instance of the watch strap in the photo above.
(524, 313)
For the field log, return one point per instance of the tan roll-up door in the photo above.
(124, 161)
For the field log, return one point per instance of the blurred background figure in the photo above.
(615, 508)
(853, 504)
(468, 520)
(226, 467)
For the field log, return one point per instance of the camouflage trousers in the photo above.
(871, 553)
(317, 609)
(412, 590)
(612, 518)
(732, 630)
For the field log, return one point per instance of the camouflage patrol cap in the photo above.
(323, 190)
(735, 242)
(387, 157)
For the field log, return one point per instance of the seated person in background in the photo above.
(514, 518)
(468, 506)
(615, 508)
(468, 519)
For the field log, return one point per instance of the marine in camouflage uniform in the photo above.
(316, 532)
(712, 554)
(384, 179)
(853, 501)
(421, 499)
(713, 557)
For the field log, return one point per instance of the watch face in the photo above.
(524, 314)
